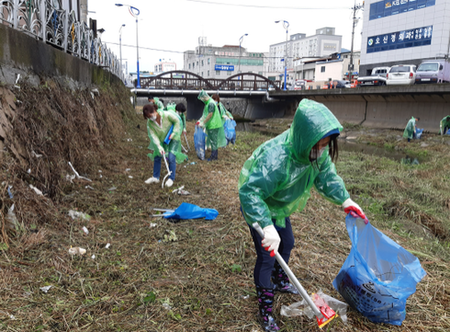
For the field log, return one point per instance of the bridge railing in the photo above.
(47, 21)
(183, 80)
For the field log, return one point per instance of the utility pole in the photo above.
(351, 67)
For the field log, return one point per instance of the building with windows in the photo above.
(222, 62)
(322, 44)
(162, 66)
(404, 32)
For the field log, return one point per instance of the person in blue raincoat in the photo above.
(276, 181)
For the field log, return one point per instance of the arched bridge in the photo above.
(185, 80)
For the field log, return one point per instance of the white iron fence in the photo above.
(45, 20)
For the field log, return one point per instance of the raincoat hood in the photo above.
(312, 121)
(204, 97)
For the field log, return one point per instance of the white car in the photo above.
(401, 75)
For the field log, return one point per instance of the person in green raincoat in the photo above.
(212, 121)
(410, 130)
(276, 181)
(444, 125)
(181, 110)
(158, 103)
(159, 125)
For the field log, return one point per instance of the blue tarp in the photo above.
(191, 211)
(378, 275)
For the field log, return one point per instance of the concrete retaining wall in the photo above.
(33, 59)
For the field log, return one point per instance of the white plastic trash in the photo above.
(45, 289)
(108, 245)
(77, 251)
(85, 230)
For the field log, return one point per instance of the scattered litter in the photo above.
(36, 190)
(191, 211)
(112, 189)
(89, 187)
(170, 236)
(108, 245)
(245, 297)
(129, 140)
(220, 172)
(34, 154)
(95, 91)
(77, 251)
(93, 256)
(12, 317)
(99, 170)
(78, 175)
(127, 169)
(70, 178)
(76, 214)
(166, 306)
(424, 145)
(29, 171)
(13, 223)
(180, 191)
(101, 176)
(92, 95)
(17, 78)
(153, 225)
(130, 176)
(45, 289)
(193, 163)
(10, 193)
(85, 230)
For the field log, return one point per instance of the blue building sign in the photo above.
(400, 39)
(224, 67)
(393, 7)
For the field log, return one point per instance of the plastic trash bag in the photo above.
(339, 307)
(230, 131)
(419, 132)
(378, 274)
(191, 211)
(199, 142)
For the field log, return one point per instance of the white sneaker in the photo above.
(152, 180)
(169, 183)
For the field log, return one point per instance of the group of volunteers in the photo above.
(274, 182)
(411, 127)
(167, 124)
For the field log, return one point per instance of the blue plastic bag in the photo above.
(167, 140)
(199, 142)
(191, 211)
(378, 274)
(419, 132)
(230, 131)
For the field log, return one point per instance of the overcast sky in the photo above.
(175, 25)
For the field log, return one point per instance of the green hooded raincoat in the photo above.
(445, 122)
(214, 128)
(410, 128)
(276, 180)
(157, 135)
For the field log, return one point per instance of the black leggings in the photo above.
(264, 263)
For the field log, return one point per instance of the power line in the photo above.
(264, 7)
(182, 52)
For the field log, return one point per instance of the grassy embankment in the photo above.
(197, 275)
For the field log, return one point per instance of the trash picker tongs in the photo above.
(189, 148)
(323, 312)
(168, 171)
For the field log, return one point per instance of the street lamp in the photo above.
(240, 43)
(285, 26)
(135, 13)
(120, 46)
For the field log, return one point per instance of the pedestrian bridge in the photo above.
(378, 107)
(185, 80)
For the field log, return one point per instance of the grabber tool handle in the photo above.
(291, 276)
(168, 171)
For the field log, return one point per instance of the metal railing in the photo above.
(46, 20)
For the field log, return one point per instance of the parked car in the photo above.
(377, 77)
(401, 75)
(433, 71)
(299, 85)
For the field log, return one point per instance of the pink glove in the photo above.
(350, 206)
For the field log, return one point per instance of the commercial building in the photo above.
(404, 32)
(322, 44)
(221, 62)
(162, 66)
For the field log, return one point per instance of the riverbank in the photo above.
(197, 275)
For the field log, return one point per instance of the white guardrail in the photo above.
(55, 26)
